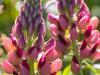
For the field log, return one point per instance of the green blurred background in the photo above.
(9, 9)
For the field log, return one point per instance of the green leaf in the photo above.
(67, 70)
(89, 66)
(5, 74)
(59, 73)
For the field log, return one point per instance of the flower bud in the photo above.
(85, 52)
(33, 52)
(63, 22)
(7, 67)
(52, 55)
(73, 33)
(17, 28)
(84, 7)
(55, 31)
(88, 32)
(19, 52)
(25, 70)
(73, 3)
(71, 10)
(93, 36)
(60, 7)
(61, 45)
(96, 56)
(41, 29)
(45, 69)
(8, 45)
(83, 45)
(21, 41)
(94, 21)
(14, 39)
(75, 65)
(64, 3)
(50, 44)
(83, 22)
(93, 49)
(40, 41)
(80, 2)
(13, 58)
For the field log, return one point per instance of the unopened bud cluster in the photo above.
(26, 44)
(74, 20)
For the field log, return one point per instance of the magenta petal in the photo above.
(85, 52)
(8, 67)
(56, 65)
(75, 65)
(15, 73)
(45, 69)
(33, 52)
(96, 56)
(52, 18)
(84, 43)
(21, 41)
(63, 22)
(84, 7)
(52, 55)
(41, 29)
(40, 41)
(50, 44)
(20, 52)
(54, 30)
(93, 50)
(73, 33)
(88, 31)
(13, 58)
(25, 70)
(60, 7)
(17, 28)
(14, 39)
(83, 22)
(42, 61)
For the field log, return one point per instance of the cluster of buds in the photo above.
(26, 44)
(74, 21)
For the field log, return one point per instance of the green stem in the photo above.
(31, 64)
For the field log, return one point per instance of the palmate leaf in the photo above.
(90, 67)
(67, 70)
(5, 74)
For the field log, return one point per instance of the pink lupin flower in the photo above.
(83, 22)
(52, 18)
(93, 36)
(94, 21)
(13, 58)
(73, 33)
(56, 65)
(63, 22)
(84, 53)
(7, 67)
(25, 70)
(8, 45)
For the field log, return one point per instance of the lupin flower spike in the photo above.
(74, 20)
(26, 39)
(26, 45)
